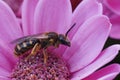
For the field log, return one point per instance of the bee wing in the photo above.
(21, 39)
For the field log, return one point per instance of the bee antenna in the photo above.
(70, 29)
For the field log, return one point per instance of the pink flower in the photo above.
(112, 10)
(15, 5)
(88, 37)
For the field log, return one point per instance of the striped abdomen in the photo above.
(24, 46)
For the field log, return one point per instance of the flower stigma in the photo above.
(34, 68)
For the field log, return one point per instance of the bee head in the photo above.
(56, 39)
(63, 40)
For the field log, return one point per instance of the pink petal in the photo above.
(4, 78)
(4, 63)
(115, 31)
(15, 5)
(107, 73)
(9, 27)
(7, 52)
(28, 10)
(106, 56)
(4, 73)
(85, 10)
(53, 16)
(113, 5)
(87, 42)
(80, 15)
(20, 22)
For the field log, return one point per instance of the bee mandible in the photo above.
(40, 41)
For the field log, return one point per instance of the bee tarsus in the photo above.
(45, 56)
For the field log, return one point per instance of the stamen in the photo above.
(35, 69)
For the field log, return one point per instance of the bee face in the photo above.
(63, 40)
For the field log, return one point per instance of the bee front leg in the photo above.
(35, 49)
(45, 56)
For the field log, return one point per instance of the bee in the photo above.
(40, 41)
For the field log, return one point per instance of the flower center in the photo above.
(34, 68)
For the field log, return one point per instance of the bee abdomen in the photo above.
(24, 46)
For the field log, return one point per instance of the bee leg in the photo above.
(35, 49)
(57, 44)
(45, 56)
